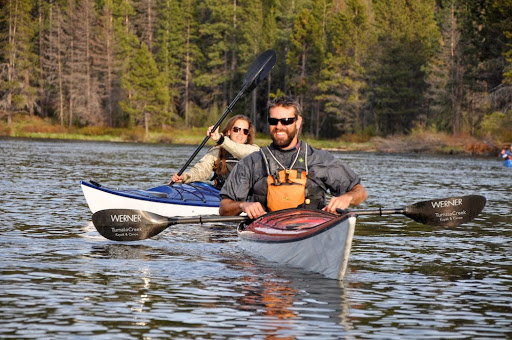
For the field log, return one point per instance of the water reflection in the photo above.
(122, 252)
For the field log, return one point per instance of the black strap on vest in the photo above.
(273, 167)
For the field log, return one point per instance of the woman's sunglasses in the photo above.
(284, 121)
(236, 129)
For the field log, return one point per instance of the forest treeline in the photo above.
(371, 67)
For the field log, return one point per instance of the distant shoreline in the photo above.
(417, 143)
(375, 145)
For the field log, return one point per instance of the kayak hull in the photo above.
(507, 163)
(312, 240)
(177, 200)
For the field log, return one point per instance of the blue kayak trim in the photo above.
(196, 194)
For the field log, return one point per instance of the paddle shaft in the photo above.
(379, 212)
(205, 219)
(132, 225)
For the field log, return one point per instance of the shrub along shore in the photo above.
(418, 142)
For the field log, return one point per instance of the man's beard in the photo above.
(283, 143)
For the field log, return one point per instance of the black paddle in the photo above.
(133, 225)
(256, 73)
(448, 212)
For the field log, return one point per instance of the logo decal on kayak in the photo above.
(446, 204)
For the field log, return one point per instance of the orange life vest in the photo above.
(286, 187)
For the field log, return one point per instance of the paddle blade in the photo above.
(258, 70)
(127, 224)
(450, 211)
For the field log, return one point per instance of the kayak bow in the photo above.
(312, 240)
(192, 199)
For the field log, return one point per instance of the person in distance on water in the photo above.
(506, 154)
(233, 144)
(288, 173)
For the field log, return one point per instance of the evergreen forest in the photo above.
(370, 67)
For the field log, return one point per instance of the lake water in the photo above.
(60, 279)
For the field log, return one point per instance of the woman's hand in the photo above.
(176, 178)
(215, 135)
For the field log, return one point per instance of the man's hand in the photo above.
(252, 209)
(340, 202)
(354, 197)
(228, 207)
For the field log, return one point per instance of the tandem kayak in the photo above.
(312, 240)
(192, 199)
(507, 163)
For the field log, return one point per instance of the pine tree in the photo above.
(104, 62)
(127, 45)
(145, 21)
(82, 85)
(342, 74)
(169, 51)
(407, 34)
(253, 39)
(216, 33)
(16, 57)
(147, 98)
(443, 69)
(189, 57)
(498, 29)
(305, 56)
(52, 59)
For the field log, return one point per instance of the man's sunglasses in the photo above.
(236, 129)
(284, 121)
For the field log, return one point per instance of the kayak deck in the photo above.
(176, 200)
(287, 225)
(192, 193)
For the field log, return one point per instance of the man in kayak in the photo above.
(289, 173)
(234, 143)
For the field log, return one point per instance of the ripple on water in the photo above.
(60, 279)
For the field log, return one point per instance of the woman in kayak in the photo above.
(233, 144)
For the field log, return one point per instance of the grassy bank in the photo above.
(419, 142)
